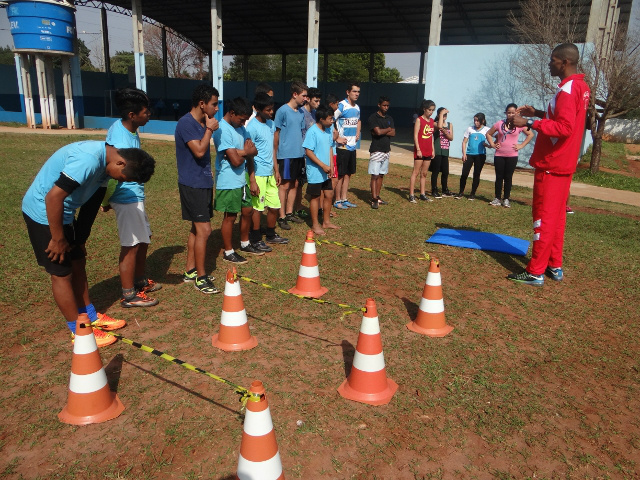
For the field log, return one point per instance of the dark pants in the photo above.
(440, 164)
(477, 162)
(505, 166)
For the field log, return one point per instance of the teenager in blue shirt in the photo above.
(474, 154)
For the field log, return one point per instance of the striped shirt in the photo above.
(347, 118)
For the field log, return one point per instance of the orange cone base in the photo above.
(378, 398)
(233, 347)
(431, 332)
(314, 294)
(112, 411)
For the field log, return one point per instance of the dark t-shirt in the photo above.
(380, 143)
(192, 172)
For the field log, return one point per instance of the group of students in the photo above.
(432, 140)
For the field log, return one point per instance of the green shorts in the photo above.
(268, 194)
(232, 201)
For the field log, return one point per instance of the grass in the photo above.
(532, 383)
(614, 157)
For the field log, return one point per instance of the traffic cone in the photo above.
(308, 283)
(368, 382)
(430, 320)
(234, 334)
(259, 455)
(90, 399)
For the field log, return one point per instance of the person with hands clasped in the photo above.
(506, 157)
(423, 149)
(234, 152)
(443, 136)
(555, 156)
(474, 154)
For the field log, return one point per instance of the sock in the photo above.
(128, 293)
(255, 236)
(271, 232)
(193, 270)
(244, 243)
(82, 310)
(72, 326)
(140, 282)
(202, 278)
(90, 310)
(229, 252)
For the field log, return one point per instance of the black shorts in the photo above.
(40, 236)
(314, 189)
(291, 168)
(346, 160)
(197, 203)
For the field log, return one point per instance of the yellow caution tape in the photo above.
(373, 250)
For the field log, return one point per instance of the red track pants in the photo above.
(550, 193)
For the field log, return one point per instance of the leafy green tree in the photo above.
(122, 60)
(6, 56)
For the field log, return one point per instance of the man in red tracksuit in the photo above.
(554, 158)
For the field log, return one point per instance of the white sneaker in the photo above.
(495, 202)
(506, 203)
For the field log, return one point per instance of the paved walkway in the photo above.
(401, 156)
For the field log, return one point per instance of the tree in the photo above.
(6, 56)
(121, 62)
(183, 59)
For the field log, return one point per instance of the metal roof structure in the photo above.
(256, 27)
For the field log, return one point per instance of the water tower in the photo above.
(43, 30)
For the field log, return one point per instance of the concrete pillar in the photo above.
(24, 88)
(313, 42)
(41, 75)
(68, 92)
(105, 43)
(435, 26)
(138, 45)
(216, 48)
(165, 65)
(76, 84)
(602, 26)
(51, 90)
(421, 69)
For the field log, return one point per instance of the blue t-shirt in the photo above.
(83, 162)
(229, 177)
(291, 124)
(125, 192)
(192, 172)
(309, 120)
(319, 142)
(477, 138)
(262, 135)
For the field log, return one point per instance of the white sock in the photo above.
(244, 244)
(229, 252)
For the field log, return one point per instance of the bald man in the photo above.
(555, 156)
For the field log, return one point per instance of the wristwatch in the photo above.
(529, 123)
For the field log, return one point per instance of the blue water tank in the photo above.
(42, 26)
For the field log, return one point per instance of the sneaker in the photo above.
(447, 193)
(291, 217)
(252, 250)
(263, 247)
(458, 196)
(102, 339)
(425, 198)
(570, 210)
(191, 277)
(235, 258)
(283, 224)
(526, 278)
(555, 273)
(302, 214)
(278, 240)
(412, 199)
(506, 203)
(205, 286)
(339, 204)
(139, 300)
(436, 194)
(374, 203)
(105, 322)
(495, 202)
(382, 202)
(471, 197)
(347, 203)
(149, 286)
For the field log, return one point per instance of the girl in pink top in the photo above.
(506, 157)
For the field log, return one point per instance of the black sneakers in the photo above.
(283, 224)
(139, 300)
(252, 250)
(293, 218)
(235, 258)
(263, 247)
(277, 239)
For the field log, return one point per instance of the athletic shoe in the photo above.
(436, 194)
(291, 217)
(339, 204)
(555, 273)
(235, 258)
(458, 196)
(412, 199)
(471, 197)
(374, 203)
(252, 250)
(283, 224)
(105, 322)
(447, 193)
(526, 278)
(570, 210)
(191, 277)
(149, 286)
(102, 339)
(277, 240)
(206, 287)
(263, 247)
(495, 202)
(506, 203)
(382, 202)
(302, 214)
(347, 203)
(425, 198)
(139, 300)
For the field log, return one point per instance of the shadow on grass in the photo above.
(113, 371)
(183, 388)
(412, 308)
(330, 343)
(348, 351)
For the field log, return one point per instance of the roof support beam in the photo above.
(397, 13)
(217, 47)
(313, 43)
(436, 24)
(465, 19)
(138, 45)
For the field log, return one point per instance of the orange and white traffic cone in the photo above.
(234, 334)
(90, 399)
(259, 455)
(368, 382)
(308, 283)
(430, 320)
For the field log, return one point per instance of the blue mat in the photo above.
(493, 242)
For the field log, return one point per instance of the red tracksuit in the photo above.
(555, 157)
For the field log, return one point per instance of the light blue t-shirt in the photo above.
(83, 162)
(229, 177)
(262, 136)
(319, 142)
(475, 144)
(291, 124)
(125, 192)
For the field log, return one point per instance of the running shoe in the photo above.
(139, 300)
(374, 203)
(446, 193)
(283, 224)
(291, 217)
(105, 322)
(277, 240)
(526, 278)
(436, 194)
(302, 214)
(458, 196)
(339, 204)
(191, 277)
(412, 199)
(263, 247)
(425, 198)
(205, 286)
(570, 210)
(382, 202)
(102, 339)
(235, 258)
(555, 273)
(471, 197)
(252, 250)
(347, 203)
(506, 203)
(495, 202)
(149, 286)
